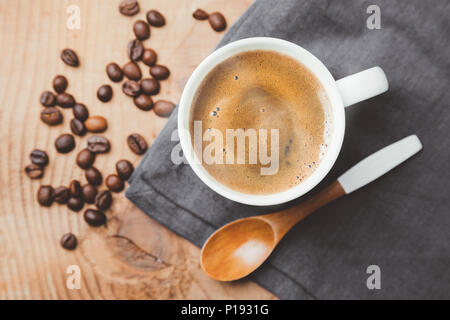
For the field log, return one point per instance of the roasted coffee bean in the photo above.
(163, 108)
(61, 195)
(98, 144)
(47, 99)
(51, 116)
(131, 88)
(94, 218)
(85, 159)
(65, 100)
(199, 14)
(89, 192)
(60, 83)
(105, 93)
(143, 102)
(34, 171)
(75, 204)
(69, 241)
(141, 30)
(149, 57)
(217, 21)
(155, 18)
(135, 50)
(77, 127)
(75, 189)
(124, 169)
(132, 71)
(129, 7)
(159, 72)
(80, 112)
(114, 183)
(45, 196)
(65, 143)
(96, 124)
(103, 200)
(93, 176)
(137, 143)
(70, 58)
(150, 86)
(39, 157)
(114, 72)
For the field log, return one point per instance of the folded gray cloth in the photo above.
(401, 222)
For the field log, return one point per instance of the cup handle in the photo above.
(362, 85)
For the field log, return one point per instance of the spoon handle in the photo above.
(366, 171)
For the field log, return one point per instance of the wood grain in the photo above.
(134, 257)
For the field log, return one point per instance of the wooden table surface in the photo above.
(134, 257)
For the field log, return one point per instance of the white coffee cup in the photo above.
(341, 93)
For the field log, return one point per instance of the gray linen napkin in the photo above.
(400, 222)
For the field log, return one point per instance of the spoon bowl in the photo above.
(238, 248)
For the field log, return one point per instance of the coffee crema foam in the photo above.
(265, 90)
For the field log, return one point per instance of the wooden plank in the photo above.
(134, 257)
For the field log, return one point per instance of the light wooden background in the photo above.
(135, 257)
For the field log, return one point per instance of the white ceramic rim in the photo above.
(315, 66)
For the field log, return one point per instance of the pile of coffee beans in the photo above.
(141, 89)
(75, 196)
(216, 19)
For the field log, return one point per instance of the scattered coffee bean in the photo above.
(47, 99)
(94, 218)
(85, 159)
(75, 189)
(98, 144)
(143, 102)
(149, 57)
(114, 183)
(159, 72)
(65, 100)
(131, 88)
(141, 30)
(65, 143)
(150, 86)
(51, 116)
(124, 169)
(103, 200)
(200, 14)
(105, 93)
(114, 72)
(75, 204)
(77, 127)
(217, 21)
(34, 171)
(89, 192)
(70, 58)
(163, 108)
(137, 143)
(96, 124)
(39, 157)
(60, 83)
(61, 195)
(69, 241)
(135, 50)
(93, 176)
(155, 18)
(132, 71)
(80, 112)
(129, 7)
(45, 196)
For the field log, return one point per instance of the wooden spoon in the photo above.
(241, 246)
